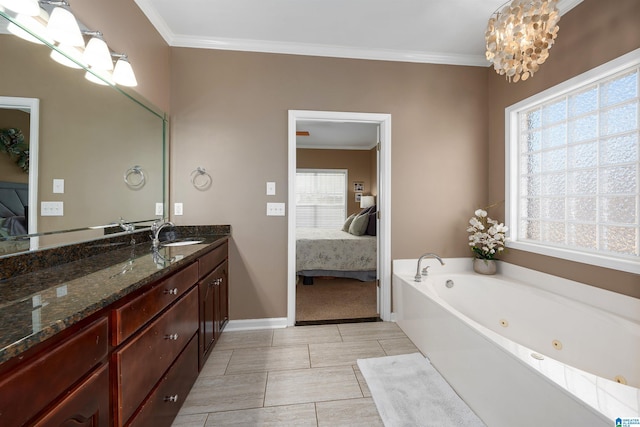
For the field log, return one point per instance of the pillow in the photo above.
(359, 225)
(371, 226)
(347, 223)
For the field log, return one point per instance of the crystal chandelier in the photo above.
(519, 36)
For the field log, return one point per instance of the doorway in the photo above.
(383, 121)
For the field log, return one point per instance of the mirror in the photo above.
(104, 148)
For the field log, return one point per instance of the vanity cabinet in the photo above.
(132, 363)
(214, 302)
(57, 378)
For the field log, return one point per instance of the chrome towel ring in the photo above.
(134, 177)
(200, 178)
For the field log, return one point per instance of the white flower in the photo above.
(481, 213)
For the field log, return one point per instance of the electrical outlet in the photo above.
(276, 209)
(160, 209)
(52, 208)
(177, 209)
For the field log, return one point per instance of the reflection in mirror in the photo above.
(89, 137)
(18, 172)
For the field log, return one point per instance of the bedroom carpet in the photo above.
(408, 391)
(335, 299)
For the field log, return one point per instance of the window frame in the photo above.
(333, 171)
(512, 165)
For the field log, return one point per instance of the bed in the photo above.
(335, 253)
(14, 198)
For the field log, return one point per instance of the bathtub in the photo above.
(522, 347)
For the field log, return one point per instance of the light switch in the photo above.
(177, 208)
(271, 188)
(58, 185)
(159, 209)
(275, 209)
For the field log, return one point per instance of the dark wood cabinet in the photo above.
(131, 363)
(44, 379)
(85, 406)
(142, 362)
(213, 289)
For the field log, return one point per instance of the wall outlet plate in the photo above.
(177, 209)
(276, 209)
(160, 209)
(52, 208)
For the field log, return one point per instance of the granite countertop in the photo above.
(38, 304)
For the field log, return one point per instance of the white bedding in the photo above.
(334, 250)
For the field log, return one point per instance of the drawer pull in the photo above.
(173, 337)
(173, 291)
(173, 398)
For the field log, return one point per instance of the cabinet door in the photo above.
(86, 405)
(209, 291)
(223, 299)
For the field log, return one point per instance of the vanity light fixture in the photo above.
(106, 77)
(123, 73)
(97, 54)
(62, 26)
(28, 25)
(23, 7)
(67, 52)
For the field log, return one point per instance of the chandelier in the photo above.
(519, 36)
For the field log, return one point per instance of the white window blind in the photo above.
(577, 170)
(321, 198)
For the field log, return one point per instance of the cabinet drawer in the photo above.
(131, 316)
(41, 380)
(211, 260)
(143, 361)
(165, 401)
(87, 405)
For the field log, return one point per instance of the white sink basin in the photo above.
(182, 243)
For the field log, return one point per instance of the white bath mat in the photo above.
(408, 391)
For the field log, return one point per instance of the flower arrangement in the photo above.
(486, 235)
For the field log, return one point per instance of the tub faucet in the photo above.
(155, 230)
(419, 275)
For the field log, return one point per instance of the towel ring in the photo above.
(134, 177)
(200, 178)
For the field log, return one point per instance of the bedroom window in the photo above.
(573, 168)
(321, 198)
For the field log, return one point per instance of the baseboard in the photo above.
(249, 324)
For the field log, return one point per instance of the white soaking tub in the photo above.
(522, 347)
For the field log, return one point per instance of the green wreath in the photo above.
(12, 143)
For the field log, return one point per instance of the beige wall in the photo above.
(229, 115)
(591, 34)
(357, 162)
(127, 30)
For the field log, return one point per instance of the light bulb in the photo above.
(24, 7)
(123, 73)
(97, 54)
(67, 52)
(26, 26)
(64, 29)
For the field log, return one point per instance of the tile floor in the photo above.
(302, 376)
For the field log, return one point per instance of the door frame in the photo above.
(383, 202)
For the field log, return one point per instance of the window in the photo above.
(573, 168)
(321, 198)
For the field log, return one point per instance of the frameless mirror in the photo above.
(100, 150)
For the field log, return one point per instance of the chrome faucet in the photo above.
(419, 275)
(155, 230)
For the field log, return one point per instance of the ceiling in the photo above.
(428, 31)
(422, 31)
